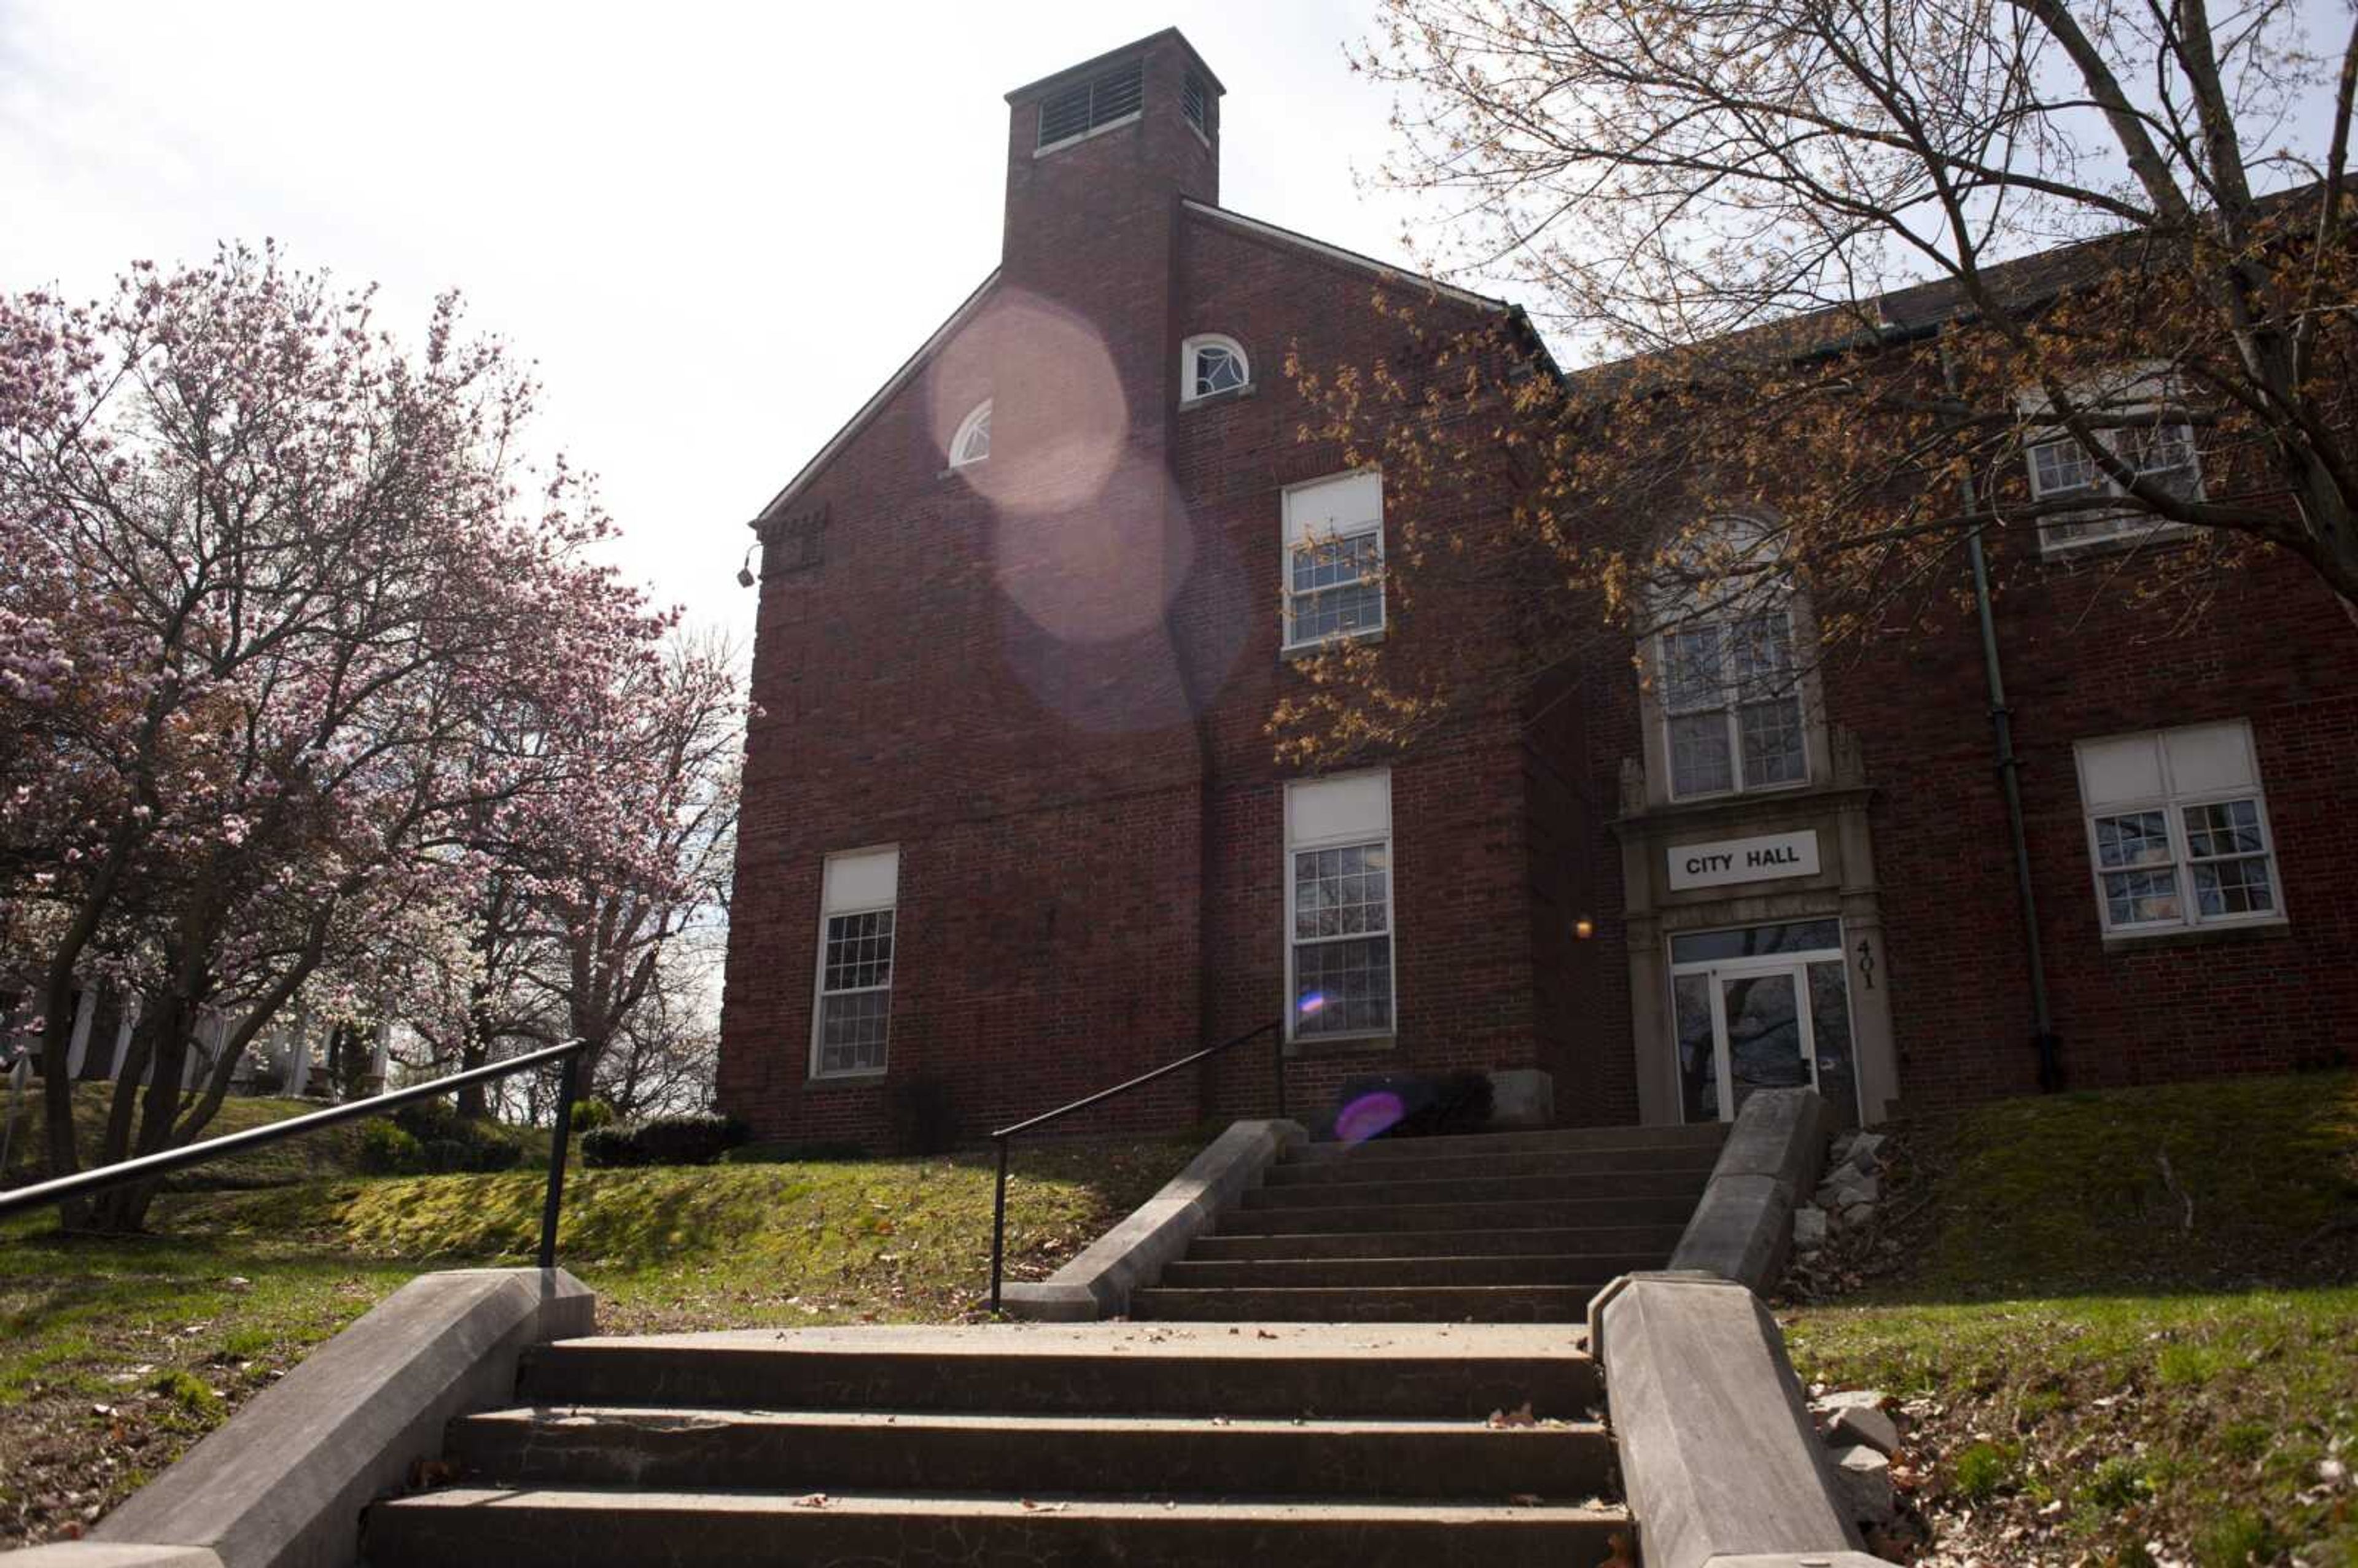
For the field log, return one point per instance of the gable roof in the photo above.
(1253, 226)
(868, 410)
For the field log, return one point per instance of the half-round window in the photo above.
(972, 442)
(1211, 364)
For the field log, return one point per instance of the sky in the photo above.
(715, 229)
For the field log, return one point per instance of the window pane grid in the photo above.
(855, 1002)
(1733, 711)
(2223, 858)
(1773, 751)
(1343, 988)
(1342, 939)
(1341, 892)
(859, 951)
(852, 1030)
(1336, 588)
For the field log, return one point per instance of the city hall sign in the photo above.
(1729, 861)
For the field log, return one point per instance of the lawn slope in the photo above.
(2129, 1322)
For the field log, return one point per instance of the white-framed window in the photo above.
(971, 444)
(1339, 906)
(1210, 364)
(1732, 704)
(1334, 559)
(2062, 468)
(851, 1021)
(2178, 830)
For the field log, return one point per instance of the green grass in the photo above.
(315, 1156)
(2105, 1365)
(116, 1353)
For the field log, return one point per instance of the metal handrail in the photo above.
(147, 1166)
(1006, 1135)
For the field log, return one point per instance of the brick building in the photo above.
(1012, 828)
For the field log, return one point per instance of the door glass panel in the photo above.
(1830, 1021)
(1763, 1033)
(1698, 1061)
(1796, 937)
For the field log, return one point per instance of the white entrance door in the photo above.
(1766, 1007)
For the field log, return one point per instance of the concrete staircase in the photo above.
(1503, 1227)
(1187, 1445)
(1282, 1428)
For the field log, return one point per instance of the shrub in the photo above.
(697, 1139)
(430, 1138)
(594, 1113)
(1982, 1470)
(388, 1149)
(925, 1118)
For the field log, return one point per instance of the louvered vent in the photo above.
(1191, 101)
(1078, 109)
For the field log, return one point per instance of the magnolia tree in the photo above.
(1793, 244)
(571, 934)
(282, 619)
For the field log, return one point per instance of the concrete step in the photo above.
(1202, 1274)
(1550, 1214)
(1693, 1135)
(800, 1452)
(1367, 1304)
(1601, 1186)
(1543, 1162)
(1237, 1371)
(462, 1527)
(1621, 1248)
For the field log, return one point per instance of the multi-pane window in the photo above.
(2178, 830)
(1084, 106)
(2062, 468)
(1339, 906)
(1334, 559)
(1210, 365)
(1732, 706)
(853, 1017)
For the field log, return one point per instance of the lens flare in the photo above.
(1369, 1116)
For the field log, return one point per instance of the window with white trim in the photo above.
(1091, 105)
(1334, 559)
(2061, 467)
(2178, 830)
(971, 444)
(1339, 858)
(1209, 365)
(1731, 705)
(852, 1020)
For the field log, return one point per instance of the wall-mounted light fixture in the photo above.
(745, 568)
(1584, 928)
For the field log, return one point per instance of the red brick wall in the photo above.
(2082, 662)
(1049, 680)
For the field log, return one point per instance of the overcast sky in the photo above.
(715, 227)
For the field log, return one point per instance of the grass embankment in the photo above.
(115, 1355)
(312, 1157)
(2131, 1324)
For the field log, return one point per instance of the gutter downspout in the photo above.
(2043, 1038)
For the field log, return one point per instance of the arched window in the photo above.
(1729, 685)
(972, 442)
(1210, 364)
